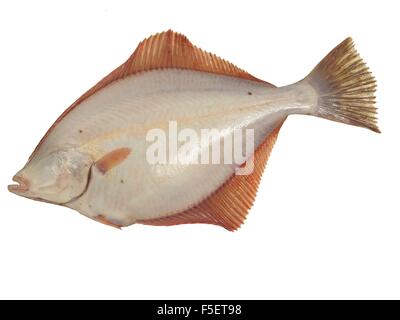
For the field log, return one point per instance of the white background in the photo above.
(326, 222)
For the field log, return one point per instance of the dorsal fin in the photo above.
(173, 50)
(163, 50)
(229, 205)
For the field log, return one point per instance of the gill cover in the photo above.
(57, 177)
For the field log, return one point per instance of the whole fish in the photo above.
(94, 158)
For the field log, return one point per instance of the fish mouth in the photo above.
(22, 185)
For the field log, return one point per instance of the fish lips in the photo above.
(22, 187)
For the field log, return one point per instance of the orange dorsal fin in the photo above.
(229, 205)
(173, 50)
(161, 51)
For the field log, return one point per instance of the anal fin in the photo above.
(229, 205)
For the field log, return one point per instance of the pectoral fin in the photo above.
(112, 159)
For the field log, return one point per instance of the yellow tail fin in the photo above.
(346, 88)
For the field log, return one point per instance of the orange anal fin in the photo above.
(100, 218)
(112, 159)
(228, 206)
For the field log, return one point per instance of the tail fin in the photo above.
(346, 88)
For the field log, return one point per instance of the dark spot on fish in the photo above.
(249, 93)
(122, 181)
(80, 131)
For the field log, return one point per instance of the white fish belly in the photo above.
(122, 114)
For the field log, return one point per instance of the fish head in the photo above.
(58, 177)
